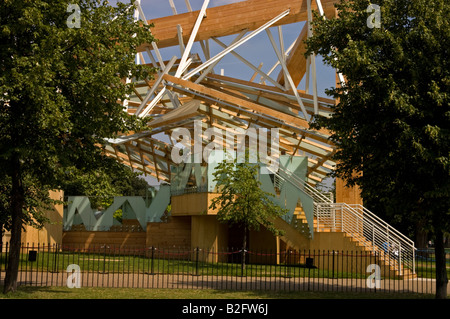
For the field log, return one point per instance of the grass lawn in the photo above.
(128, 293)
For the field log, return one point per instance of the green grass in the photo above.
(128, 293)
(97, 262)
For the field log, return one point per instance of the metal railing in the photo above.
(370, 231)
(356, 221)
(387, 237)
(198, 268)
(284, 175)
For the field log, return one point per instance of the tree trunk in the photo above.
(421, 235)
(441, 271)
(1, 236)
(17, 204)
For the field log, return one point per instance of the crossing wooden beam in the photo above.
(230, 19)
(244, 103)
(296, 61)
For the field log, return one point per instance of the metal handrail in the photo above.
(375, 235)
(367, 212)
(382, 232)
(311, 191)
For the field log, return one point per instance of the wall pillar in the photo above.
(208, 233)
(348, 195)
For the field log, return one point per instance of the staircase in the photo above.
(361, 226)
(301, 224)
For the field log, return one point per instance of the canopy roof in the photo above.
(188, 88)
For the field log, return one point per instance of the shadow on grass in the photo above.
(27, 292)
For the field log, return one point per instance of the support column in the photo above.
(208, 233)
(348, 195)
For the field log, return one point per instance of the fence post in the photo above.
(332, 276)
(196, 261)
(242, 262)
(56, 256)
(151, 261)
(104, 259)
(287, 273)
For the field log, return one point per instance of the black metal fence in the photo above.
(196, 268)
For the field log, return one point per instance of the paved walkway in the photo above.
(187, 281)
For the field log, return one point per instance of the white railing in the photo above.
(370, 230)
(358, 222)
(389, 239)
(285, 175)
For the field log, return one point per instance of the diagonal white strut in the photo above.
(211, 67)
(287, 74)
(153, 89)
(188, 47)
(235, 45)
(254, 68)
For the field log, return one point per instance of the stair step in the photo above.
(384, 258)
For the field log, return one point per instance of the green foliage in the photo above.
(103, 184)
(59, 89)
(392, 121)
(242, 201)
(36, 203)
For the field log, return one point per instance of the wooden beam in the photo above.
(230, 19)
(266, 89)
(255, 116)
(293, 120)
(236, 101)
(296, 61)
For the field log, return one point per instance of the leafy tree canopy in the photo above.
(392, 120)
(59, 90)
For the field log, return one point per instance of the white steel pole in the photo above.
(235, 45)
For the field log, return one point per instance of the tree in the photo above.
(392, 120)
(60, 84)
(241, 201)
(102, 185)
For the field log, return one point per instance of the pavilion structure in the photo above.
(193, 94)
